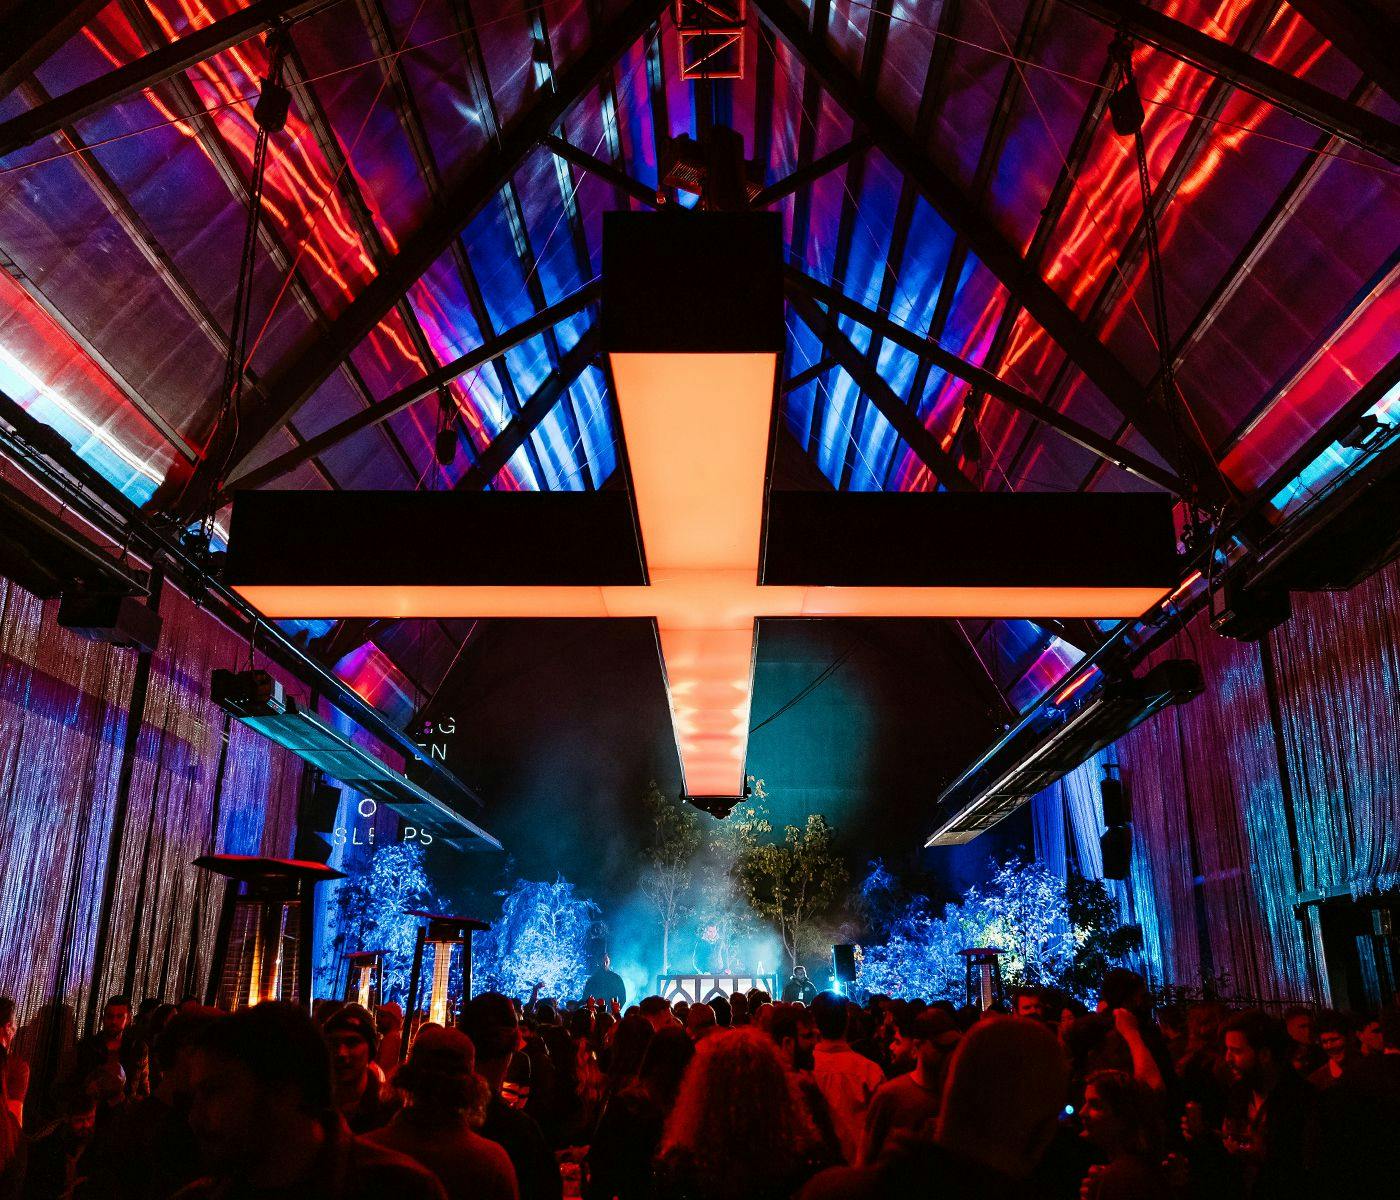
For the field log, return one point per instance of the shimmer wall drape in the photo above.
(1281, 780)
(63, 715)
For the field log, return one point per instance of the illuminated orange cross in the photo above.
(696, 428)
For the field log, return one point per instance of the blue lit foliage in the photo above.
(541, 936)
(374, 907)
(1049, 935)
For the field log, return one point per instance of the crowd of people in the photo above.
(736, 1097)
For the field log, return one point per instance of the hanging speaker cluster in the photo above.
(1116, 841)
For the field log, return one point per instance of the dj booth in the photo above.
(699, 988)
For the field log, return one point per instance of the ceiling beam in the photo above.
(1308, 102)
(30, 33)
(510, 439)
(605, 171)
(1361, 31)
(381, 410)
(302, 370)
(984, 381)
(971, 221)
(148, 70)
(405, 106)
(904, 422)
(813, 171)
(806, 375)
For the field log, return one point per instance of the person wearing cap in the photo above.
(445, 1103)
(491, 1022)
(911, 1102)
(361, 1098)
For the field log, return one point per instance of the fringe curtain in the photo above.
(1213, 785)
(63, 713)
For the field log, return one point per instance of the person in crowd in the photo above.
(361, 1096)
(799, 989)
(910, 1102)
(445, 1103)
(739, 1008)
(724, 1014)
(12, 1145)
(491, 1022)
(388, 1021)
(738, 1127)
(153, 1151)
(1005, 1091)
(1301, 1023)
(606, 985)
(847, 1080)
(1370, 1038)
(629, 1046)
(1270, 1129)
(263, 1111)
(794, 1032)
(14, 1071)
(57, 1163)
(103, 1050)
(1334, 1036)
(1124, 998)
(1358, 1119)
(1028, 1002)
(658, 1012)
(1119, 1119)
(700, 1022)
(629, 1133)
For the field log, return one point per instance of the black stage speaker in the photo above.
(843, 963)
(318, 808)
(1115, 803)
(121, 621)
(1117, 846)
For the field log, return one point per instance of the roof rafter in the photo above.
(410, 120)
(1361, 31)
(1187, 153)
(784, 187)
(1328, 112)
(517, 432)
(291, 382)
(211, 141)
(1108, 374)
(162, 62)
(853, 361)
(605, 171)
(30, 33)
(985, 381)
(490, 351)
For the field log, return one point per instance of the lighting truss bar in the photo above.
(989, 383)
(148, 70)
(1024, 765)
(489, 351)
(604, 170)
(293, 380)
(320, 746)
(814, 170)
(1363, 129)
(57, 468)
